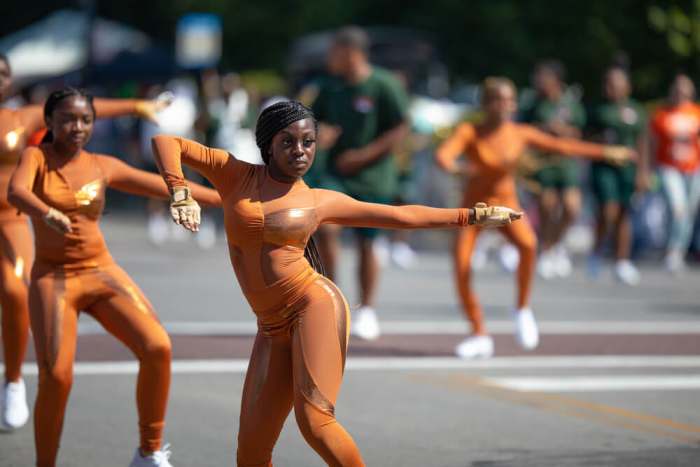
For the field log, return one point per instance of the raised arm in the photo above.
(147, 109)
(21, 195)
(454, 146)
(126, 178)
(170, 152)
(538, 139)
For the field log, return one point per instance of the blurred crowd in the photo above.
(577, 207)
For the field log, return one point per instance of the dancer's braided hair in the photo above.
(56, 97)
(273, 119)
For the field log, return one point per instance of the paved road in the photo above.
(614, 383)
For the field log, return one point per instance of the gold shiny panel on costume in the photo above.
(290, 226)
(90, 198)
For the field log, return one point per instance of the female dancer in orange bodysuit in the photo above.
(16, 126)
(62, 188)
(270, 213)
(492, 150)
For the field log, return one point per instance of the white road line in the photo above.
(598, 383)
(453, 327)
(407, 364)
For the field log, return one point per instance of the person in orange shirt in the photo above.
(298, 357)
(17, 126)
(492, 149)
(62, 188)
(675, 129)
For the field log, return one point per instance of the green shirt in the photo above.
(621, 123)
(364, 111)
(565, 109)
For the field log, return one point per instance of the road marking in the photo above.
(571, 407)
(239, 365)
(451, 327)
(598, 383)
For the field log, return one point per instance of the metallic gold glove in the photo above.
(148, 110)
(58, 221)
(493, 216)
(617, 155)
(184, 209)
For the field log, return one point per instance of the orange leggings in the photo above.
(15, 261)
(522, 236)
(111, 297)
(298, 361)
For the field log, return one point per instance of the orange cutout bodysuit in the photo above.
(493, 158)
(75, 271)
(16, 127)
(298, 357)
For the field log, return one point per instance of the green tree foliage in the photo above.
(475, 38)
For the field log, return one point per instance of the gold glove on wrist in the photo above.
(493, 216)
(58, 221)
(184, 209)
(617, 155)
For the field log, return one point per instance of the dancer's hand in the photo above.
(58, 221)
(493, 216)
(149, 109)
(619, 155)
(184, 209)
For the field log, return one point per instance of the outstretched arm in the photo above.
(337, 208)
(454, 146)
(126, 178)
(573, 147)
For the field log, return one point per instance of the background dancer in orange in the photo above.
(298, 357)
(16, 126)
(62, 188)
(492, 149)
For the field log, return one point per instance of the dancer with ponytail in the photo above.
(16, 127)
(62, 188)
(492, 149)
(298, 357)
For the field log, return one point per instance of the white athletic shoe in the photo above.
(475, 347)
(509, 257)
(562, 262)
(546, 267)
(157, 459)
(526, 329)
(365, 324)
(15, 412)
(403, 255)
(626, 272)
(675, 262)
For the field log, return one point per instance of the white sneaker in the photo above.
(509, 257)
(365, 324)
(545, 265)
(403, 255)
(475, 347)
(157, 459)
(675, 262)
(562, 262)
(626, 272)
(15, 412)
(380, 246)
(526, 329)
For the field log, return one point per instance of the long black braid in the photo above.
(55, 98)
(273, 119)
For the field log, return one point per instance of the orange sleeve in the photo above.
(170, 152)
(454, 146)
(128, 179)
(568, 146)
(107, 108)
(20, 193)
(32, 118)
(333, 207)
